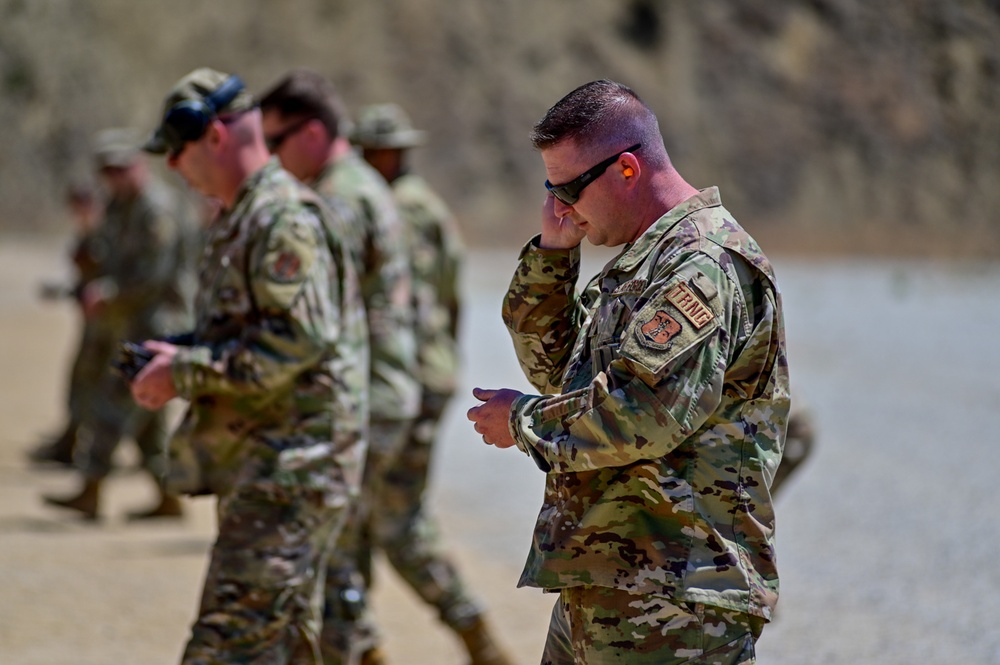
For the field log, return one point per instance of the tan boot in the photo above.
(374, 656)
(169, 506)
(86, 501)
(482, 648)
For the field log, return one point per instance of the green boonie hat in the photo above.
(386, 126)
(117, 147)
(196, 86)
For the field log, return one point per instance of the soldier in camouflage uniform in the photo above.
(276, 372)
(398, 523)
(303, 116)
(138, 293)
(664, 399)
(92, 354)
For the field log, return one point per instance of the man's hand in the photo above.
(154, 385)
(490, 418)
(558, 232)
(92, 300)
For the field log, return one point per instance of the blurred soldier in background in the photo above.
(398, 523)
(303, 125)
(276, 372)
(799, 440)
(138, 293)
(93, 350)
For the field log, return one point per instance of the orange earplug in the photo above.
(627, 172)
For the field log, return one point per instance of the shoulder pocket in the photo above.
(675, 320)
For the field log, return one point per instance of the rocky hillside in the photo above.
(827, 123)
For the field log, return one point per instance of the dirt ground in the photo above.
(886, 538)
(73, 593)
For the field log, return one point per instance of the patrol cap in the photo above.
(116, 147)
(195, 91)
(385, 126)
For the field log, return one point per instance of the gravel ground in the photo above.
(885, 546)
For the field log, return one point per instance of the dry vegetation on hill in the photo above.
(827, 123)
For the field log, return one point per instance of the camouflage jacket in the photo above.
(141, 251)
(671, 413)
(277, 370)
(436, 251)
(378, 243)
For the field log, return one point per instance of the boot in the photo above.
(86, 501)
(55, 451)
(374, 656)
(169, 507)
(482, 648)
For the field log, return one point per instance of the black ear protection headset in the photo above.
(187, 120)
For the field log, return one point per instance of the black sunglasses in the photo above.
(274, 142)
(569, 193)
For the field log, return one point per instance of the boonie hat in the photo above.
(196, 86)
(116, 147)
(386, 126)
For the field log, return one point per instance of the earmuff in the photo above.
(188, 120)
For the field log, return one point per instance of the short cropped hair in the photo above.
(303, 93)
(603, 114)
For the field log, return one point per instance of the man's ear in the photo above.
(216, 133)
(629, 165)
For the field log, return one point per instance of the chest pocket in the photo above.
(223, 298)
(607, 325)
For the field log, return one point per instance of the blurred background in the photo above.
(858, 141)
(830, 124)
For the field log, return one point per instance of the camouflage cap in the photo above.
(117, 147)
(386, 126)
(197, 86)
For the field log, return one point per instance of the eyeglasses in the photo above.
(569, 193)
(274, 142)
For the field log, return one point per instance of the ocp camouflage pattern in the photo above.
(666, 416)
(277, 377)
(278, 371)
(378, 243)
(436, 251)
(141, 262)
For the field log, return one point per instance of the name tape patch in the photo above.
(690, 305)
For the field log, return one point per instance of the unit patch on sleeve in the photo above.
(659, 330)
(690, 305)
(285, 267)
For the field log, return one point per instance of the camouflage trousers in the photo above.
(392, 518)
(90, 365)
(261, 604)
(348, 626)
(602, 626)
(112, 415)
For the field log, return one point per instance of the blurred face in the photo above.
(291, 142)
(123, 182)
(192, 162)
(387, 161)
(601, 211)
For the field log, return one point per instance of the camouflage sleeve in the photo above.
(290, 270)
(543, 313)
(663, 384)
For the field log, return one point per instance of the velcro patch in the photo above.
(631, 286)
(285, 267)
(658, 330)
(690, 305)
